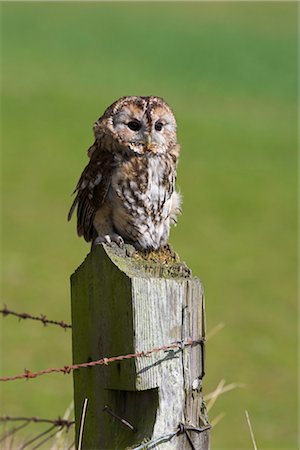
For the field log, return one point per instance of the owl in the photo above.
(126, 193)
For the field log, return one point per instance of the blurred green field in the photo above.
(229, 70)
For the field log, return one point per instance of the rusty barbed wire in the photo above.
(59, 422)
(41, 318)
(105, 361)
(41, 438)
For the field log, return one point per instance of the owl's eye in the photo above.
(134, 125)
(158, 126)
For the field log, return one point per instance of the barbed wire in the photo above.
(181, 429)
(59, 422)
(56, 426)
(41, 318)
(63, 423)
(105, 361)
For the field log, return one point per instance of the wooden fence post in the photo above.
(123, 303)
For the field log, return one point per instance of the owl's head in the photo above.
(139, 124)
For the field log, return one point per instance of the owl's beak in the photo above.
(148, 140)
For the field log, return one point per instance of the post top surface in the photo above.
(164, 263)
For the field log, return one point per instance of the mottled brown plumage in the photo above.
(127, 190)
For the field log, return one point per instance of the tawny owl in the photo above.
(127, 190)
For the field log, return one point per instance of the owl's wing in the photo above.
(91, 190)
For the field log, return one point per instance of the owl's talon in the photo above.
(117, 239)
(107, 239)
(120, 241)
(98, 241)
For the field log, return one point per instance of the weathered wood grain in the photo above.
(123, 303)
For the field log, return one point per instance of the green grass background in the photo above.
(229, 70)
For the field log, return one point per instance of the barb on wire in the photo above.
(104, 361)
(62, 423)
(41, 318)
(41, 438)
(56, 424)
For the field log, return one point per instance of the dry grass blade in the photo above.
(82, 423)
(41, 443)
(251, 430)
(217, 419)
(36, 438)
(62, 438)
(215, 330)
(224, 389)
(220, 389)
(214, 395)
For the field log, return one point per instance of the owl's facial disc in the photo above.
(145, 129)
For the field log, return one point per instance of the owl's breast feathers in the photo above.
(141, 197)
(144, 182)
